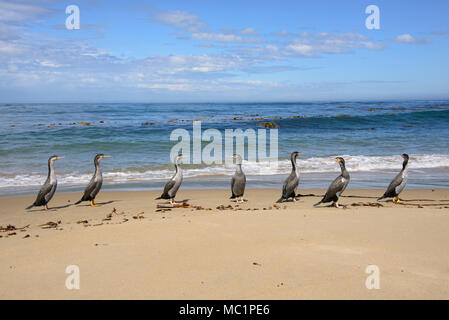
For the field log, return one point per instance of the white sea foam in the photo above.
(307, 165)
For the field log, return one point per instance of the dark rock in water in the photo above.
(269, 124)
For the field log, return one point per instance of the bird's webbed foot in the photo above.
(93, 204)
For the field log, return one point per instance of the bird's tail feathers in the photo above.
(280, 200)
(383, 197)
(78, 202)
(164, 196)
(29, 207)
(318, 203)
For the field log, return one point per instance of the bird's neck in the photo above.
(51, 172)
(405, 164)
(97, 168)
(293, 160)
(238, 168)
(177, 168)
(344, 172)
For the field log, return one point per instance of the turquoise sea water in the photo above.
(370, 135)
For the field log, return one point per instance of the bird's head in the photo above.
(340, 160)
(54, 158)
(405, 156)
(238, 158)
(100, 156)
(178, 157)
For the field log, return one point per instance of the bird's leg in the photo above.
(172, 200)
(46, 207)
(336, 204)
(92, 203)
(294, 199)
(398, 201)
(394, 199)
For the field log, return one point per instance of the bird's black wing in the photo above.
(89, 189)
(391, 190)
(232, 186)
(43, 192)
(290, 184)
(338, 185)
(170, 184)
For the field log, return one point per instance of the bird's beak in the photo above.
(337, 160)
(234, 156)
(299, 153)
(181, 156)
(60, 158)
(106, 156)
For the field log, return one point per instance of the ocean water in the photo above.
(369, 135)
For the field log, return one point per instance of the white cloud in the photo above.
(334, 36)
(408, 38)
(372, 45)
(180, 19)
(303, 49)
(19, 12)
(49, 64)
(322, 35)
(333, 45)
(10, 47)
(199, 31)
(89, 80)
(167, 86)
(249, 32)
(405, 38)
(243, 32)
(221, 37)
(218, 37)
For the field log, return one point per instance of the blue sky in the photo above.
(207, 51)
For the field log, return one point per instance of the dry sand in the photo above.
(294, 252)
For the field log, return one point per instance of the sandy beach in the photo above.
(128, 249)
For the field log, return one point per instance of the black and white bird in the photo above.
(49, 187)
(337, 186)
(238, 181)
(94, 186)
(172, 186)
(398, 183)
(292, 181)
